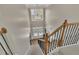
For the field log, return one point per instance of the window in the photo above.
(36, 14)
(37, 21)
(37, 31)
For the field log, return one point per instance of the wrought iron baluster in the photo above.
(6, 43)
(4, 49)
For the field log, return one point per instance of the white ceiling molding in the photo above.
(38, 5)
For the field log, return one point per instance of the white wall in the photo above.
(56, 15)
(15, 19)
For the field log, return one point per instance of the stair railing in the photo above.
(4, 31)
(66, 34)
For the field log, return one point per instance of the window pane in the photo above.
(36, 14)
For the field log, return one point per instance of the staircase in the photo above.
(66, 34)
(35, 49)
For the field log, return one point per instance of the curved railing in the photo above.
(4, 31)
(66, 34)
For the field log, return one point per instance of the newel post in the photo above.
(61, 41)
(3, 30)
(46, 43)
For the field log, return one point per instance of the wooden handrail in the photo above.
(72, 23)
(65, 29)
(55, 30)
(61, 41)
(60, 28)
